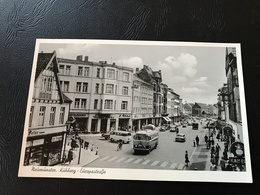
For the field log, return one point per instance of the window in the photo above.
(31, 116)
(83, 103)
(62, 115)
(97, 88)
(52, 115)
(61, 69)
(108, 104)
(80, 71)
(115, 105)
(41, 115)
(96, 104)
(49, 84)
(85, 87)
(78, 87)
(125, 76)
(86, 71)
(68, 68)
(109, 88)
(66, 86)
(124, 105)
(116, 90)
(111, 73)
(76, 104)
(125, 91)
(98, 72)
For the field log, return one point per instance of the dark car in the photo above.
(106, 135)
(195, 126)
(173, 128)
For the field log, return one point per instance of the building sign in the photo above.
(39, 132)
(103, 116)
(124, 116)
(237, 149)
(56, 138)
(36, 132)
(235, 160)
(78, 114)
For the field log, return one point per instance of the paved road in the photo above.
(168, 155)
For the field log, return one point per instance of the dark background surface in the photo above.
(21, 22)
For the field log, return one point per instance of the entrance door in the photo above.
(94, 125)
(103, 126)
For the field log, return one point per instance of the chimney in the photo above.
(86, 58)
(79, 58)
(136, 69)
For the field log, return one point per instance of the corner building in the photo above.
(101, 94)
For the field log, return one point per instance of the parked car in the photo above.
(180, 137)
(184, 125)
(163, 128)
(105, 135)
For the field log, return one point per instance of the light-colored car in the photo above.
(180, 137)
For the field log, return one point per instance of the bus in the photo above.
(145, 141)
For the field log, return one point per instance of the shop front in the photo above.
(44, 149)
(124, 122)
(81, 121)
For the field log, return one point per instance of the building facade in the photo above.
(48, 115)
(187, 109)
(200, 109)
(142, 110)
(101, 93)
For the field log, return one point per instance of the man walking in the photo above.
(186, 158)
(197, 140)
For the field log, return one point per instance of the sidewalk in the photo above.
(201, 157)
(86, 155)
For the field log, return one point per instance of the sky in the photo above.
(194, 72)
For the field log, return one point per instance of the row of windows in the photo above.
(42, 114)
(83, 87)
(81, 104)
(84, 71)
(139, 110)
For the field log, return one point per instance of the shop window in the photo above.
(52, 115)
(41, 116)
(62, 115)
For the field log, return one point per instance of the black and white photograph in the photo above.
(136, 110)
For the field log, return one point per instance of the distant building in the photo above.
(48, 115)
(101, 93)
(199, 109)
(187, 109)
(176, 104)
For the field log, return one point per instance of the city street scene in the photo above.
(145, 106)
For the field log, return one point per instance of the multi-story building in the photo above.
(175, 113)
(154, 78)
(199, 109)
(229, 95)
(101, 93)
(187, 109)
(48, 115)
(142, 110)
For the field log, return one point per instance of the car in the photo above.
(173, 128)
(180, 137)
(163, 128)
(106, 135)
(184, 125)
(195, 126)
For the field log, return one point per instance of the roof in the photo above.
(43, 60)
(202, 105)
(66, 99)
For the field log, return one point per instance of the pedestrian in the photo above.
(97, 151)
(212, 150)
(218, 148)
(206, 139)
(70, 156)
(86, 145)
(197, 140)
(218, 137)
(194, 143)
(186, 158)
(223, 164)
(92, 148)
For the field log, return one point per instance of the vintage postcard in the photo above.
(136, 110)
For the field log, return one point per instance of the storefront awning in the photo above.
(167, 119)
